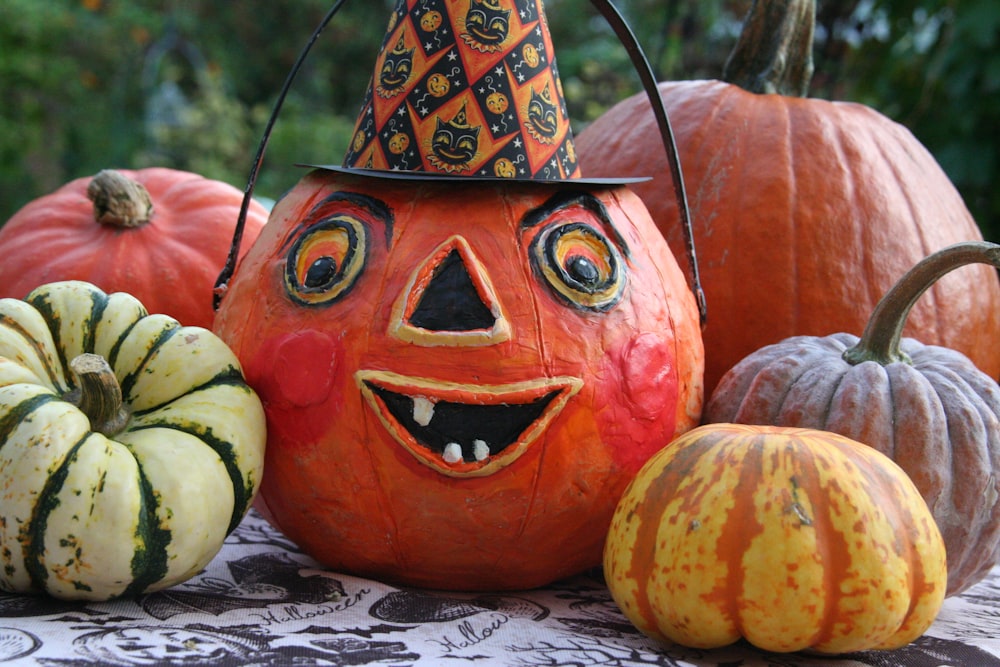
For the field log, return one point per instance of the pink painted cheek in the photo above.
(649, 376)
(295, 369)
(635, 404)
(295, 375)
(305, 363)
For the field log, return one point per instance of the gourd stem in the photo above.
(119, 201)
(880, 340)
(774, 51)
(98, 394)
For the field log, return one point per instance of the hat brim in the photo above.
(399, 175)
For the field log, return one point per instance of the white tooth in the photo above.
(480, 449)
(452, 453)
(423, 410)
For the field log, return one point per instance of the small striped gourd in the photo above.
(130, 446)
(792, 539)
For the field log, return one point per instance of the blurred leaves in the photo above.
(90, 84)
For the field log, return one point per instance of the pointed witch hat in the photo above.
(469, 89)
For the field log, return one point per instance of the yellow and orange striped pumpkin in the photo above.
(790, 538)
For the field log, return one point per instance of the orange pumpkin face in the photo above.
(438, 85)
(460, 379)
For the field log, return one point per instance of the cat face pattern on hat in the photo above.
(466, 88)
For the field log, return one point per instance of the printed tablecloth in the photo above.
(262, 602)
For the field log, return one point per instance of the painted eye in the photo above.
(580, 264)
(325, 260)
(321, 272)
(467, 144)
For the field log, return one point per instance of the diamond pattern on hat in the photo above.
(466, 87)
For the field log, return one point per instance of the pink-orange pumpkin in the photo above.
(460, 378)
(158, 234)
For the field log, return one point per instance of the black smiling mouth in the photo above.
(544, 127)
(461, 431)
(486, 36)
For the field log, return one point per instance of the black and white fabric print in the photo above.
(261, 602)
(407, 606)
(16, 644)
(256, 580)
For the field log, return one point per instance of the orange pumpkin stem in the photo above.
(880, 340)
(98, 394)
(774, 51)
(119, 201)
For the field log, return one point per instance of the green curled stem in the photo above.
(882, 335)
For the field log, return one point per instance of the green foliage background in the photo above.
(86, 83)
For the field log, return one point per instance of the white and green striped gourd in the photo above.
(130, 445)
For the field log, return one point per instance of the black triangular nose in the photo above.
(450, 301)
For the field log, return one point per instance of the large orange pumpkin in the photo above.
(158, 234)
(460, 378)
(805, 211)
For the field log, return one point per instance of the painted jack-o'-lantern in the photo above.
(460, 375)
